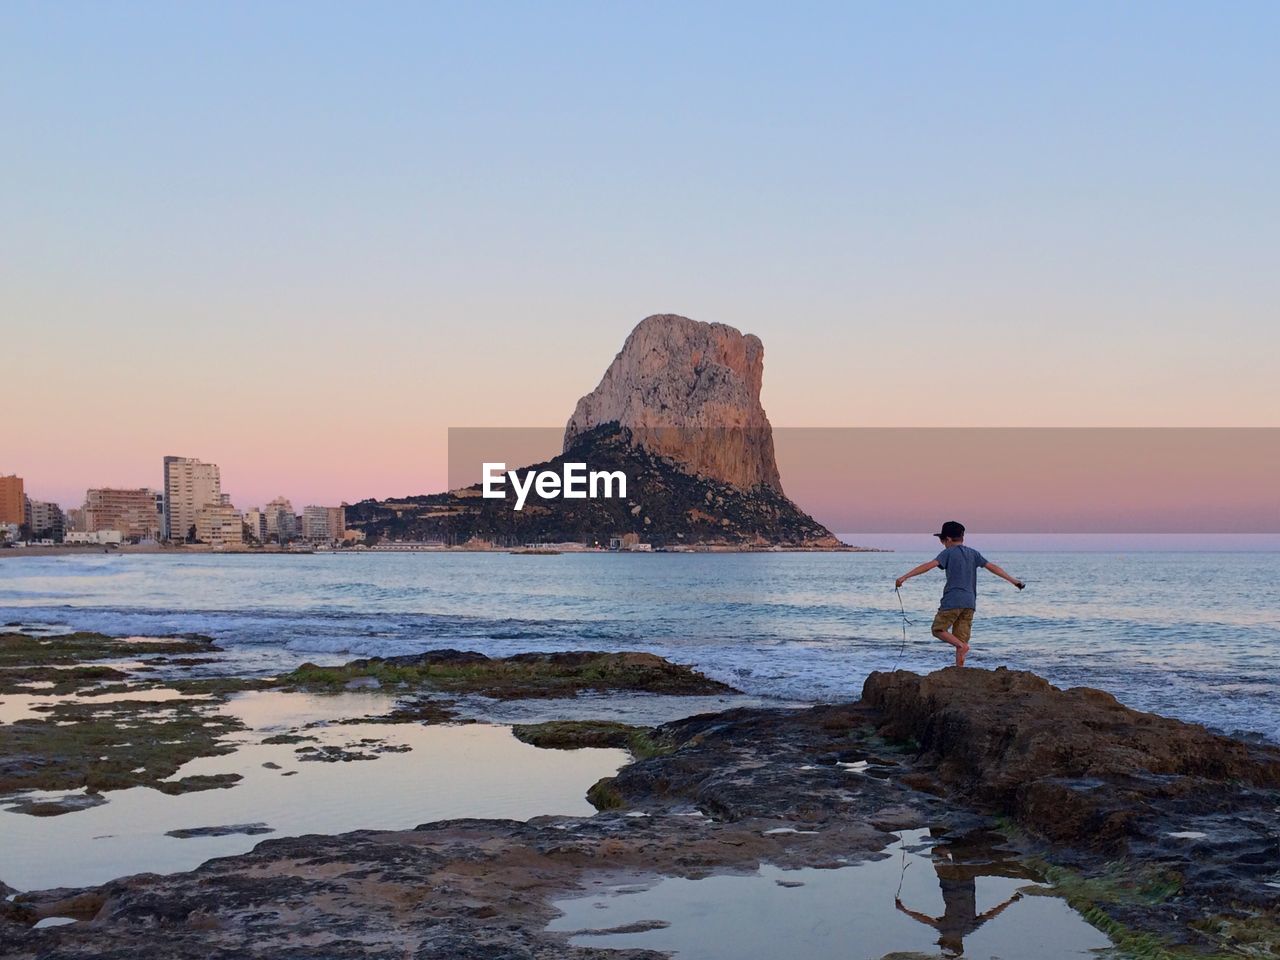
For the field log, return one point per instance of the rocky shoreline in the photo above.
(1162, 834)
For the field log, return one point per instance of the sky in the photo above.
(304, 240)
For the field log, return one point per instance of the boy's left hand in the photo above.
(1020, 585)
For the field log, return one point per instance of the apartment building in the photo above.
(76, 520)
(220, 525)
(12, 500)
(282, 522)
(337, 522)
(131, 511)
(47, 521)
(189, 485)
(256, 521)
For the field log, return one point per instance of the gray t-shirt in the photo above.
(961, 565)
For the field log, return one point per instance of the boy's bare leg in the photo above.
(961, 647)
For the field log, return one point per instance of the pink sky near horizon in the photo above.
(350, 438)
(303, 242)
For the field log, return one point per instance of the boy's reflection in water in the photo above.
(958, 866)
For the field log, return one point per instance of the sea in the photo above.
(1192, 634)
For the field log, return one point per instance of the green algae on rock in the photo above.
(525, 675)
(22, 649)
(577, 734)
(63, 664)
(110, 746)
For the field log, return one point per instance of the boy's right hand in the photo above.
(897, 584)
(1020, 585)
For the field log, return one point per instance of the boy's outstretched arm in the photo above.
(999, 572)
(915, 572)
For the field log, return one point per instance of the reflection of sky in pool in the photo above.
(473, 770)
(841, 914)
(22, 706)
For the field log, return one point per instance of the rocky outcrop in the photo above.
(666, 506)
(565, 673)
(957, 751)
(689, 391)
(678, 412)
(1007, 737)
(771, 782)
(1086, 773)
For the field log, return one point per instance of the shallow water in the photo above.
(953, 899)
(1192, 635)
(475, 770)
(639, 709)
(28, 706)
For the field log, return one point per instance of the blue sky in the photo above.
(326, 227)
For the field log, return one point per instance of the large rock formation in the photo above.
(689, 391)
(678, 412)
(666, 506)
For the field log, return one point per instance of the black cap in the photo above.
(951, 530)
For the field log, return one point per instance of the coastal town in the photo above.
(189, 509)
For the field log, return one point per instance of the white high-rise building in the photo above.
(324, 524)
(189, 485)
(315, 524)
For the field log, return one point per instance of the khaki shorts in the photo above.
(958, 621)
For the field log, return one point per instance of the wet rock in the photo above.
(526, 675)
(16, 913)
(331, 753)
(109, 745)
(58, 806)
(61, 904)
(578, 734)
(484, 888)
(1074, 765)
(475, 888)
(448, 656)
(249, 829)
(192, 784)
(1115, 792)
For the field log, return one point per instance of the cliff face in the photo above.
(689, 391)
(678, 412)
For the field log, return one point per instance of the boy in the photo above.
(954, 619)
